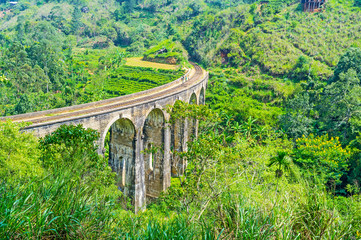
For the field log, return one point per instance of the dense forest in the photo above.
(278, 153)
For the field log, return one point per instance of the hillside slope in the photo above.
(250, 35)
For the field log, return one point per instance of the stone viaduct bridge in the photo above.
(136, 126)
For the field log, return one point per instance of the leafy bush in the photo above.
(72, 148)
(350, 60)
(323, 156)
(18, 153)
(166, 51)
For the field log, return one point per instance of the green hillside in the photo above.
(278, 153)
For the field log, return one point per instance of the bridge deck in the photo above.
(194, 75)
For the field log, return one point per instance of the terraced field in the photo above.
(127, 80)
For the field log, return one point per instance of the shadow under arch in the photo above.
(177, 142)
(122, 135)
(153, 152)
(202, 97)
(193, 99)
(192, 123)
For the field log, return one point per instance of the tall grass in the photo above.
(52, 208)
(238, 220)
(62, 207)
(153, 228)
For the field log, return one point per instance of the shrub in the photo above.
(72, 148)
(323, 155)
(18, 162)
(166, 52)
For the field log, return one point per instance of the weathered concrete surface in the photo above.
(137, 124)
(153, 139)
(177, 140)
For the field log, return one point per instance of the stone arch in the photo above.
(153, 152)
(105, 131)
(192, 123)
(202, 98)
(193, 99)
(177, 144)
(122, 154)
(156, 107)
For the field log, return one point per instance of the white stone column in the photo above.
(186, 135)
(140, 197)
(166, 160)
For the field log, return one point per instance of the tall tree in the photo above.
(76, 20)
(350, 60)
(341, 107)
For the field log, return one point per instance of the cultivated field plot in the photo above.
(108, 77)
(126, 79)
(138, 62)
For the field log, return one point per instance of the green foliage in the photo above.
(75, 21)
(127, 80)
(273, 41)
(166, 51)
(302, 68)
(331, 108)
(142, 227)
(245, 94)
(227, 184)
(75, 199)
(315, 219)
(284, 163)
(224, 193)
(342, 97)
(92, 75)
(354, 174)
(341, 103)
(18, 153)
(72, 141)
(298, 121)
(54, 207)
(72, 148)
(323, 156)
(351, 60)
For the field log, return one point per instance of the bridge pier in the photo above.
(167, 160)
(139, 194)
(154, 153)
(177, 146)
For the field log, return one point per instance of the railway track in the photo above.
(109, 105)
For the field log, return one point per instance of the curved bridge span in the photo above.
(140, 137)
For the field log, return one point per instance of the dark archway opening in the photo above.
(192, 123)
(202, 98)
(121, 145)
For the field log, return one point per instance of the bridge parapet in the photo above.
(49, 115)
